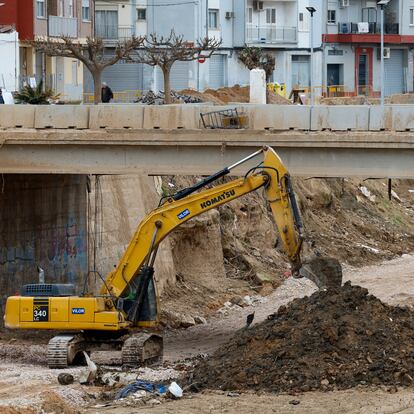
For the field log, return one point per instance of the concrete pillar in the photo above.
(257, 86)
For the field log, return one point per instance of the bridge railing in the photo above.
(268, 117)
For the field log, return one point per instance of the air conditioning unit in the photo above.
(257, 5)
(343, 3)
(229, 15)
(387, 53)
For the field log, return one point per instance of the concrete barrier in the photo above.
(380, 118)
(279, 117)
(340, 117)
(171, 117)
(17, 116)
(116, 116)
(62, 116)
(402, 117)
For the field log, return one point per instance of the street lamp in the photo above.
(311, 10)
(382, 4)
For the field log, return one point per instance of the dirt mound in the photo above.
(235, 93)
(330, 340)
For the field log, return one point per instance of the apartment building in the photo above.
(352, 53)
(39, 19)
(282, 27)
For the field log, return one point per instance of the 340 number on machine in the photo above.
(40, 309)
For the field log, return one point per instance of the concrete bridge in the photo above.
(323, 141)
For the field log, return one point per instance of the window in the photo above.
(106, 24)
(270, 16)
(141, 14)
(250, 15)
(75, 73)
(213, 19)
(331, 16)
(40, 8)
(86, 14)
(61, 8)
(411, 17)
(369, 15)
(71, 8)
(335, 52)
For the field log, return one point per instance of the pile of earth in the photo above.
(333, 339)
(235, 93)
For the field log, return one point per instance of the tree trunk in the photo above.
(167, 87)
(97, 86)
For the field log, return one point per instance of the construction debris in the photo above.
(330, 340)
(151, 98)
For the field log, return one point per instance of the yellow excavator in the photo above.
(127, 306)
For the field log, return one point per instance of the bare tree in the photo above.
(165, 51)
(254, 57)
(92, 54)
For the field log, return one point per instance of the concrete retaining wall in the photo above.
(278, 117)
(43, 222)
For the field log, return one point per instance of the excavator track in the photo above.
(141, 349)
(62, 350)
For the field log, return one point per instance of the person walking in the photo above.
(106, 94)
(1, 97)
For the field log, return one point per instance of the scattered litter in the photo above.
(233, 394)
(294, 402)
(145, 386)
(364, 190)
(88, 377)
(371, 249)
(65, 378)
(175, 390)
(395, 195)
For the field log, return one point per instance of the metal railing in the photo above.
(373, 28)
(111, 32)
(66, 26)
(270, 34)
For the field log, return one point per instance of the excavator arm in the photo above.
(132, 277)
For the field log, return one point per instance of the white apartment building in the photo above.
(282, 27)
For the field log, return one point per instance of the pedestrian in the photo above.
(1, 97)
(107, 94)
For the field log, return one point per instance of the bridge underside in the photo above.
(322, 154)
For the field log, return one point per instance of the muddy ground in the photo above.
(36, 386)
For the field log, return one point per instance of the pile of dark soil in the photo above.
(330, 340)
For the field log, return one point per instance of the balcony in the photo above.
(63, 26)
(113, 33)
(373, 28)
(270, 34)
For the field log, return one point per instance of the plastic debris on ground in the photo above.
(146, 386)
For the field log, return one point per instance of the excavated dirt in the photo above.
(235, 249)
(236, 93)
(330, 340)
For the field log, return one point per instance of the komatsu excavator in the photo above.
(119, 317)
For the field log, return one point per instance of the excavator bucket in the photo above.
(325, 272)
